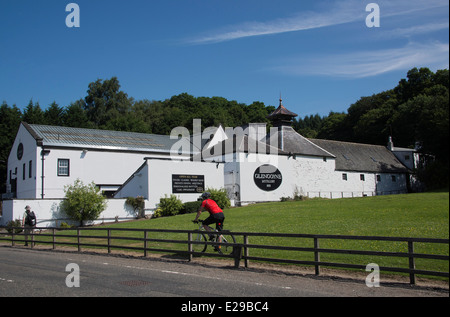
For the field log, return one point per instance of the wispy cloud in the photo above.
(369, 63)
(339, 12)
(415, 30)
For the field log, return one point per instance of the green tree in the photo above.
(75, 116)
(334, 127)
(54, 115)
(33, 113)
(105, 101)
(83, 202)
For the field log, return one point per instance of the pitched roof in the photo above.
(99, 139)
(282, 111)
(240, 144)
(362, 157)
(292, 142)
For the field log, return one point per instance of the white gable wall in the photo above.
(26, 188)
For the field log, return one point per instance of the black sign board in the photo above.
(267, 177)
(188, 184)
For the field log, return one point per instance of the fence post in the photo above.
(12, 237)
(32, 237)
(237, 254)
(145, 242)
(316, 256)
(412, 264)
(78, 239)
(53, 238)
(245, 251)
(109, 241)
(190, 245)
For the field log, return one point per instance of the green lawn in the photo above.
(424, 215)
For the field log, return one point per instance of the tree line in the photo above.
(414, 113)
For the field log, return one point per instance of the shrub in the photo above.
(170, 206)
(65, 225)
(138, 205)
(190, 207)
(13, 226)
(157, 213)
(83, 202)
(220, 196)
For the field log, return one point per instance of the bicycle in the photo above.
(222, 241)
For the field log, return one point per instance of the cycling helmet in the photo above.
(206, 195)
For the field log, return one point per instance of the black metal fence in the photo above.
(240, 250)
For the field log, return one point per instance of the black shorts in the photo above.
(218, 219)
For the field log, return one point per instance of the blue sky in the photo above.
(320, 55)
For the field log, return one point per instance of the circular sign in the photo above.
(267, 177)
(20, 151)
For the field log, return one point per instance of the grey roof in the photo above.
(292, 142)
(99, 139)
(362, 157)
(240, 144)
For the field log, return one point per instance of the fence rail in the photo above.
(241, 250)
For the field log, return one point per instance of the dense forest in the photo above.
(415, 112)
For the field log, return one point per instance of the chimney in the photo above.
(390, 144)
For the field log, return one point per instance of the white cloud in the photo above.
(370, 63)
(415, 30)
(339, 12)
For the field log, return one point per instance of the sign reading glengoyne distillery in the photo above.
(267, 177)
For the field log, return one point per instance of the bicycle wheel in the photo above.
(225, 243)
(199, 244)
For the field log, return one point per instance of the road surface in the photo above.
(27, 272)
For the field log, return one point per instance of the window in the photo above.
(394, 178)
(30, 169)
(361, 177)
(344, 176)
(23, 170)
(63, 167)
(378, 178)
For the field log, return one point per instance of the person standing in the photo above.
(28, 223)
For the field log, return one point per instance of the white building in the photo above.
(251, 165)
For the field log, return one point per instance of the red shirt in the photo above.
(211, 206)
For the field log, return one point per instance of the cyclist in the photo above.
(216, 214)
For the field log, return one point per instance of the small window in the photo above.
(344, 176)
(361, 177)
(30, 169)
(24, 169)
(378, 178)
(63, 167)
(394, 178)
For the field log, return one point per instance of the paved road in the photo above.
(25, 272)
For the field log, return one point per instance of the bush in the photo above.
(190, 207)
(138, 205)
(220, 196)
(157, 213)
(65, 225)
(170, 206)
(12, 224)
(83, 202)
